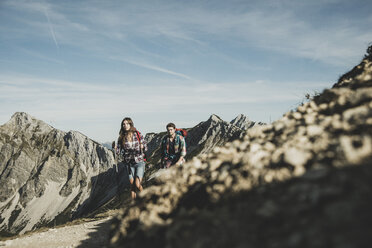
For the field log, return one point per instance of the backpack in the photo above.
(181, 131)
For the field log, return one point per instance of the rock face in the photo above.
(200, 139)
(212, 133)
(303, 181)
(49, 176)
(243, 122)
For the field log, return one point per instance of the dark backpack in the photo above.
(181, 131)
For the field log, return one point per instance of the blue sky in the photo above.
(85, 65)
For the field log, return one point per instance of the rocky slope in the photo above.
(201, 139)
(303, 181)
(48, 176)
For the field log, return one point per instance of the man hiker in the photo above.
(173, 147)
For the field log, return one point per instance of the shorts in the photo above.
(136, 170)
(168, 163)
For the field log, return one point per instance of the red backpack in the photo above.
(181, 131)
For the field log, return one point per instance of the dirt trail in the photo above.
(83, 235)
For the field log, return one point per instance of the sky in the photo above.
(85, 65)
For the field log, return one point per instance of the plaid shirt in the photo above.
(131, 152)
(175, 152)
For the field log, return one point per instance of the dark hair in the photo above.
(171, 125)
(123, 134)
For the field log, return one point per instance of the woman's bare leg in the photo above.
(132, 188)
(138, 184)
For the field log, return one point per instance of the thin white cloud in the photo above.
(39, 55)
(18, 89)
(51, 28)
(32, 15)
(280, 31)
(153, 67)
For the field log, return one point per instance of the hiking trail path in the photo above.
(83, 235)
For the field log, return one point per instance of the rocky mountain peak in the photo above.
(21, 121)
(242, 121)
(214, 118)
(22, 116)
(239, 118)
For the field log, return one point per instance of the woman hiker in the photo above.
(131, 149)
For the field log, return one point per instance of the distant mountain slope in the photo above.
(49, 176)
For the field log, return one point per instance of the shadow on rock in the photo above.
(106, 187)
(99, 237)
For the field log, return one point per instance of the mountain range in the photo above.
(50, 177)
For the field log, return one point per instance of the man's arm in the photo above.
(183, 151)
